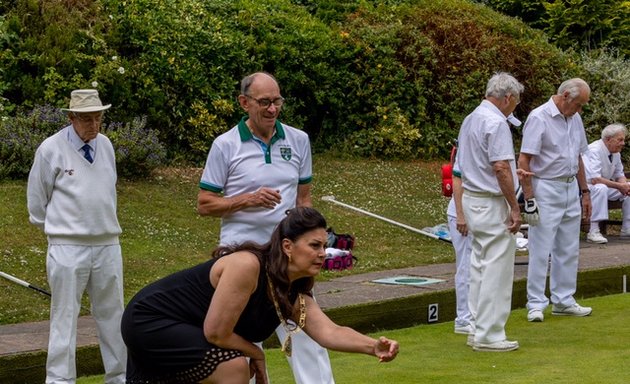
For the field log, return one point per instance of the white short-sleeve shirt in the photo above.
(239, 163)
(597, 163)
(484, 138)
(554, 141)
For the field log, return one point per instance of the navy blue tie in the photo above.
(86, 150)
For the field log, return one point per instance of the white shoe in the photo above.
(624, 233)
(596, 237)
(535, 315)
(464, 329)
(470, 340)
(573, 310)
(499, 346)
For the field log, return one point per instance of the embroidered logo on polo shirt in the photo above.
(285, 152)
(70, 172)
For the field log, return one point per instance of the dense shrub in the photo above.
(138, 150)
(392, 78)
(21, 135)
(185, 62)
(49, 47)
(608, 74)
(303, 53)
(578, 24)
(431, 60)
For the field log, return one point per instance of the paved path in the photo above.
(339, 292)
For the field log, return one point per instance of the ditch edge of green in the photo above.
(370, 317)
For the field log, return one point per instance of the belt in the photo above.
(563, 179)
(481, 194)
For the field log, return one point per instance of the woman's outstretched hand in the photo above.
(385, 349)
(257, 367)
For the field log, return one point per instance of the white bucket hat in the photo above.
(85, 100)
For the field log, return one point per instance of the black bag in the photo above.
(341, 256)
(343, 241)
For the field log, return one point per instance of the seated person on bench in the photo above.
(607, 181)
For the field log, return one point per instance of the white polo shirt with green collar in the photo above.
(239, 163)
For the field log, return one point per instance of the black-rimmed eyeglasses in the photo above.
(266, 103)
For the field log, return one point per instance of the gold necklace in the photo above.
(287, 344)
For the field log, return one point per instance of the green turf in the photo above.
(561, 350)
(162, 231)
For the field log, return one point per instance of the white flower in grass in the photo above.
(121, 70)
(114, 58)
(94, 84)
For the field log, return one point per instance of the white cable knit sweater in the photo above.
(71, 199)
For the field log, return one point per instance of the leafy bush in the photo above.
(138, 149)
(180, 56)
(302, 52)
(608, 74)
(49, 47)
(340, 64)
(432, 59)
(578, 24)
(589, 24)
(20, 136)
(392, 138)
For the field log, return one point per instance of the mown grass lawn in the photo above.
(561, 350)
(162, 231)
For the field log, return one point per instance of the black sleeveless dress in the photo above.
(162, 327)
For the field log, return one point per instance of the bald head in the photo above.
(249, 80)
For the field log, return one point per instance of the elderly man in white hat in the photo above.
(71, 196)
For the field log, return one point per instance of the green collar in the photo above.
(246, 134)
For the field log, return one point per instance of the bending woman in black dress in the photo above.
(199, 325)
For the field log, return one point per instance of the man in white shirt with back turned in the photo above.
(492, 216)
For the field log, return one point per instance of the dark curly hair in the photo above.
(273, 260)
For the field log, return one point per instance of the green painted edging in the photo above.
(371, 317)
(30, 368)
(413, 310)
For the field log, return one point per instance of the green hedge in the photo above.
(390, 79)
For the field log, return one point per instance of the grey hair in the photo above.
(248, 80)
(613, 130)
(573, 86)
(502, 84)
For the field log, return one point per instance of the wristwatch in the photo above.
(585, 191)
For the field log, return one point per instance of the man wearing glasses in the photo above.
(254, 173)
(71, 196)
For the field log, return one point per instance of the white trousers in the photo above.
(557, 235)
(462, 245)
(71, 270)
(600, 194)
(309, 361)
(491, 266)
